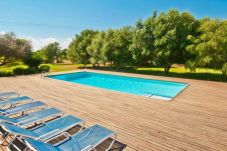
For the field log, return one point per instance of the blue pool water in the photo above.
(138, 86)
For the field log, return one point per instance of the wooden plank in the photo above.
(195, 120)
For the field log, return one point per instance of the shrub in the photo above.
(18, 71)
(31, 71)
(44, 68)
(25, 71)
(32, 61)
(224, 69)
(5, 73)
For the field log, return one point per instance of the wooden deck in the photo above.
(195, 120)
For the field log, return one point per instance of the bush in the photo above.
(25, 71)
(31, 71)
(32, 61)
(5, 73)
(18, 71)
(44, 68)
(224, 69)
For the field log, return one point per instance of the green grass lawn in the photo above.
(53, 67)
(8, 69)
(181, 72)
(63, 67)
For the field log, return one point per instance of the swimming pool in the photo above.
(164, 90)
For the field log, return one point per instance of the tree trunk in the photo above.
(167, 68)
(3, 62)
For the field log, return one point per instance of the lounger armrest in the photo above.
(90, 147)
(49, 135)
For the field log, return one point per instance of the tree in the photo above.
(108, 47)
(95, 49)
(63, 55)
(32, 60)
(142, 47)
(51, 52)
(77, 51)
(171, 32)
(209, 47)
(122, 40)
(12, 48)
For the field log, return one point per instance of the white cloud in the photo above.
(39, 43)
(2, 32)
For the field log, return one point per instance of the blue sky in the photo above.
(44, 21)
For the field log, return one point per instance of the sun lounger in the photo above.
(32, 118)
(13, 101)
(6, 95)
(86, 140)
(43, 132)
(22, 108)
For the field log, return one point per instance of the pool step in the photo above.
(149, 95)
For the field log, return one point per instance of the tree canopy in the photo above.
(209, 47)
(12, 48)
(51, 52)
(161, 40)
(78, 49)
(171, 32)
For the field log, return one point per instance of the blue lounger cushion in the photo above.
(39, 115)
(32, 117)
(45, 131)
(40, 146)
(4, 95)
(22, 108)
(58, 126)
(84, 140)
(13, 101)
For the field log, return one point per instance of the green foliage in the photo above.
(44, 68)
(32, 61)
(224, 69)
(161, 40)
(39, 54)
(5, 73)
(19, 71)
(209, 47)
(122, 41)
(95, 49)
(62, 56)
(12, 48)
(51, 52)
(78, 49)
(25, 71)
(200, 74)
(108, 47)
(171, 32)
(142, 46)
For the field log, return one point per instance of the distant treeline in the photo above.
(161, 40)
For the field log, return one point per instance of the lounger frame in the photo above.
(3, 98)
(40, 138)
